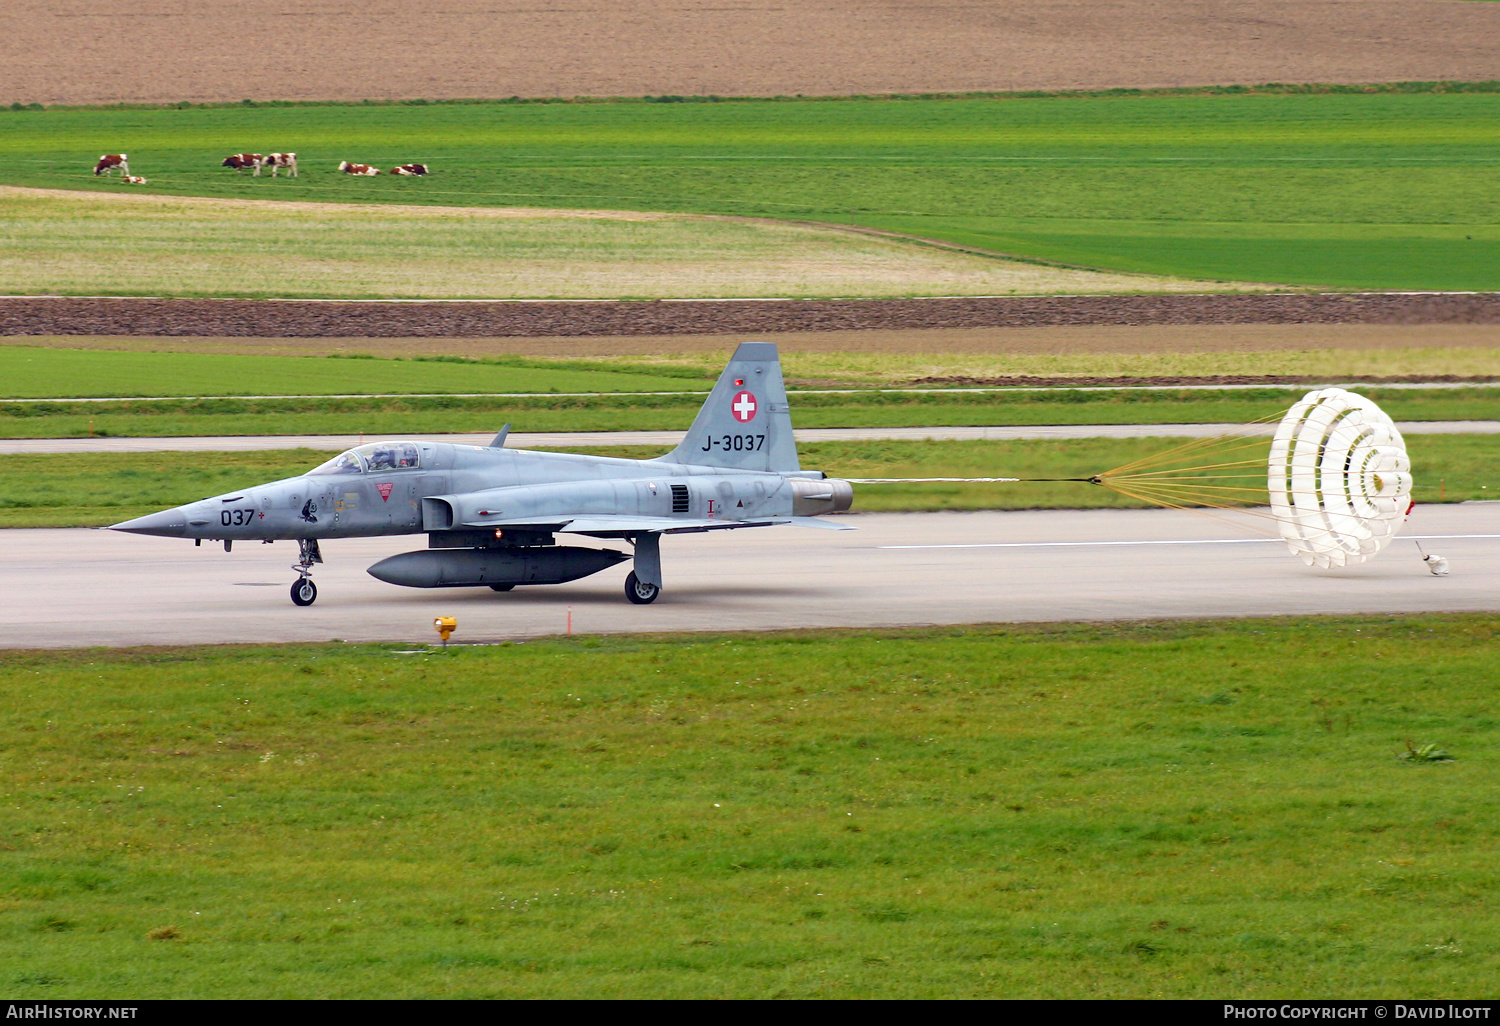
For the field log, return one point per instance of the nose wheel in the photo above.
(304, 592)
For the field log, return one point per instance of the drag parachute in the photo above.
(1339, 478)
(1337, 474)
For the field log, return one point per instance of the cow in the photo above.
(410, 169)
(133, 180)
(109, 161)
(357, 169)
(277, 161)
(240, 161)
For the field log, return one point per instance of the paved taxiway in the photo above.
(68, 588)
(666, 439)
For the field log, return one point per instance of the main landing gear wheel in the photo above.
(639, 592)
(304, 592)
(501, 587)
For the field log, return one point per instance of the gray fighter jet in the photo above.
(490, 513)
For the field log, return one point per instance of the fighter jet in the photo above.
(491, 514)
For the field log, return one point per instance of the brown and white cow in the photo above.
(133, 180)
(240, 161)
(410, 169)
(109, 162)
(357, 169)
(277, 161)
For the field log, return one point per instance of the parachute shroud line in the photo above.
(1337, 478)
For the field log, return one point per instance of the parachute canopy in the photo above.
(1339, 478)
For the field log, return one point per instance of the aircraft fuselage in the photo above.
(444, 487)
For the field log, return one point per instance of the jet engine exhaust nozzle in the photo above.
(830, 495)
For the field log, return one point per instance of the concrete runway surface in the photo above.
(74, 588)
(666, 439)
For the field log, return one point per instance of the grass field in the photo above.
(1384, 191)
(626, 412)
(85, 243)
(28, 372)
(1213, 355)
(97, 489)
(51, 368)
(55, 372)
(1206, 810)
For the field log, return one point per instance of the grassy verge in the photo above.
(92, 490)
(1351, 190)
(1219, 356)
(194, 247)
(32, 372)
(1138, 810)
(624, 412)
(866, 358)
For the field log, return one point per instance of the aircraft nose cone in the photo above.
(170, 523)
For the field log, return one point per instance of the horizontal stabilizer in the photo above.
(826, 525)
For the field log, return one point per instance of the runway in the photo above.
(76, 588)
(667, 439)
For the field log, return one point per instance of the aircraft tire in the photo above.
(501, 587)
(304, 591)
(639, 592)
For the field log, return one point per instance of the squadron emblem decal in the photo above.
(744, 406)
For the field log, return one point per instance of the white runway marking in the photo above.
(1157, 541)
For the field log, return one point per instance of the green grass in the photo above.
(30, 372)
(1185, 810)
(63, 371)
(1444, 350)
(626, 412)
(85, 243)
(97, 489)
(1380, 190)
(51, 372)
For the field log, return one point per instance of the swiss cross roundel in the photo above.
(743, 406)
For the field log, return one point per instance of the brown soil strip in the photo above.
(935, 342)
(282, 319)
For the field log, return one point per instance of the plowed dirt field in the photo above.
(294, 319)
(163, 51)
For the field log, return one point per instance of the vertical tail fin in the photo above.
(746, 422)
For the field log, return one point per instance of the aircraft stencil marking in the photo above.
(490, 513)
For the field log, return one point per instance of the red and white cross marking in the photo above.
(743, 407)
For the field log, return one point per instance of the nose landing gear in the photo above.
(304, 591)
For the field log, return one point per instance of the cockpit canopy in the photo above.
(373, 458)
